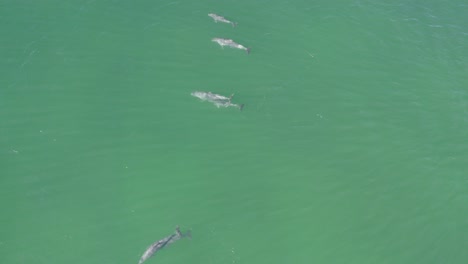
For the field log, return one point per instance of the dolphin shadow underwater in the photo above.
(158, 245)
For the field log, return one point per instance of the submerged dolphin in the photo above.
(162, 243)
(230, 43)
(216, 99)
(221, 19)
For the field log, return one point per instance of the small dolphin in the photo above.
(221, 19)
(162, 243)
(216, 99)
(230, 43)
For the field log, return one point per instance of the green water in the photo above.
(352, 146)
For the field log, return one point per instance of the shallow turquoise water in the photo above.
(352, 146)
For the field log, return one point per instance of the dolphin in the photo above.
(230, 43)
(216, 99)
(221, 19)
(153, 248)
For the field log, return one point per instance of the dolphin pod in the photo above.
(216, 99)
(223, 41)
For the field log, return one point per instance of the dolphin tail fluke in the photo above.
(248, 50)
(234, 24)
(241, 107)
(188, 234)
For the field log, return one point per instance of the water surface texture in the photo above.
(352, 146)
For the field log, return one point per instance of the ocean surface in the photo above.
(352, 146)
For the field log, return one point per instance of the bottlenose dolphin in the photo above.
(162, 243)
(230, 43)
(221, 19)
(216, 99)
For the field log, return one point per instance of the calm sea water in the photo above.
(352, 146)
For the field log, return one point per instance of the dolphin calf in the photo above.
(216, 99)
(162, 243)
(230, 43)
(221, 19)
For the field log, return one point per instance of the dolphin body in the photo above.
(216, 99)
(218, 18)
(230, 43)
(162, 243)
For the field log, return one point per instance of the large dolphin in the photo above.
(162, 243)
(216, 99)
(218, 18)
(230, 43)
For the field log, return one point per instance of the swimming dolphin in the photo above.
(230, 43)
(221, 19)
(216, 99)
(162, 243)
